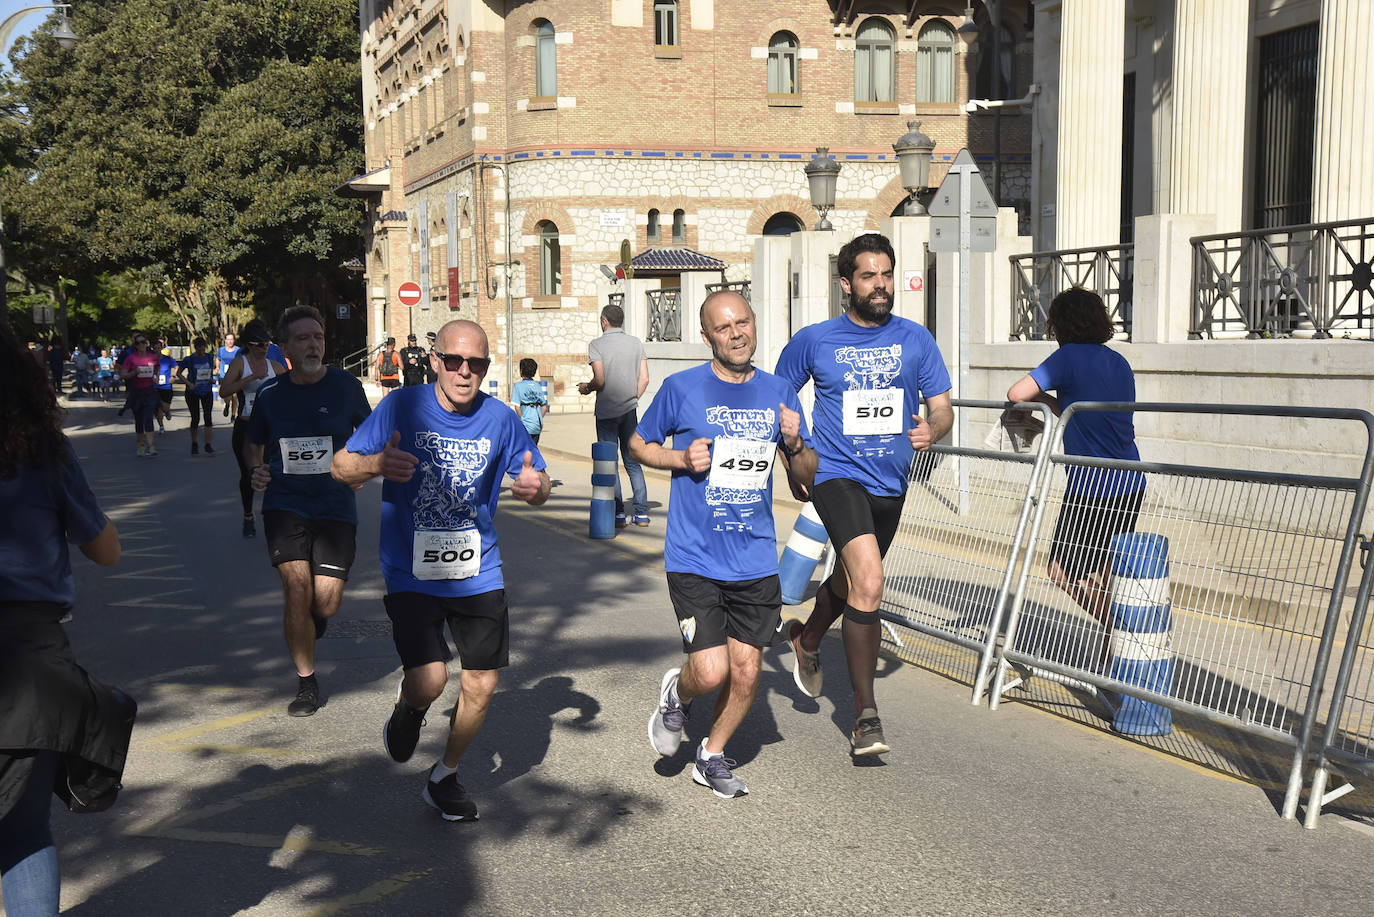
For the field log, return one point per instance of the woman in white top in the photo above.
(250, 369)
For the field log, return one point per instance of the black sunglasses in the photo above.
(454, 362)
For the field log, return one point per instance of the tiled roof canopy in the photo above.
(674, 259)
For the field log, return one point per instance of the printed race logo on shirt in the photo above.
(447, 544)
(741, 459)
(871, 407)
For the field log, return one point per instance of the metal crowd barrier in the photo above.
(1258, 562)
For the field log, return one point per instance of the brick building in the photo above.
(680, 126)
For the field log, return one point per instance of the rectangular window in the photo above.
(665, 22)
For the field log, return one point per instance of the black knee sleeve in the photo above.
(860, 617)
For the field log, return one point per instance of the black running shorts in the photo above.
(710, 610)
(327, 544)
(480, 625)
(1083, 532)
(165, 395)
(848, 511)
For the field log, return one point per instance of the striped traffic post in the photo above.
(1142, 630)
(801, 555)
(492, 385)
(604, 471)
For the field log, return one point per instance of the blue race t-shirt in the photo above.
(529, 395)
(226, 356)
(1094, 372)
(199, 370)
(720, 522)
(166, 369)
(46, 508)
(302, 426)
(438, 535)
(869, 382)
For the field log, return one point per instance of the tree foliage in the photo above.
(197, 142)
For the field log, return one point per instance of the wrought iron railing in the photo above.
(1037, 277)
(1312, 280)
(665, 315)
(739, 286)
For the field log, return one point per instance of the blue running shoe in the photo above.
(665, 725)
(714, 772)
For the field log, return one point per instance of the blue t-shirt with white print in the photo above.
(859, 424)
(720, 522)
(438, 535)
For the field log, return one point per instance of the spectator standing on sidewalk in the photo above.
(620, 374)
(528, 398)
(1098, 502)
(413, 363)
(53, 714)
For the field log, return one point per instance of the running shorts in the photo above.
(328, 544)
(1083, 532)
(480, 625)
(710, 610)
(848, 511)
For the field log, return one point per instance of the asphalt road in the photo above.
(232, 807)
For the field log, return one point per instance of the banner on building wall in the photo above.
(422, 217)
(455, 292)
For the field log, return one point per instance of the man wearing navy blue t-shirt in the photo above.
(442, 451)
(871, 370)
(298, 421)
(727, 422)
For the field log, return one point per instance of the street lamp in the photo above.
(821, 175)
(913, 158)
(66, 38)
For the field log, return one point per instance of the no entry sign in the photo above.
(409, 293)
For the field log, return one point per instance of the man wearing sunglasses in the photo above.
(442, 451)
(295, 424)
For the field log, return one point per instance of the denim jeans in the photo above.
(620, 429)
(28, 859)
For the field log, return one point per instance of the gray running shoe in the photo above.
(806, 666)
(449, 797)
(867, 738)
(665, 725)
(714, 772)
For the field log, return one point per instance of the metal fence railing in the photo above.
(1037, 277)
(1254, 606)
(1313, 279)
(665, 314)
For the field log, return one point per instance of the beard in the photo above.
(871, 311)
(725, 359)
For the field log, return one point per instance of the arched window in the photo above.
(782, 64)
(997, 82)
(782, 224)
(679, 227)
(550, 261)
(545, 61)
(935, 62)
(651, 232)
(874, 62)
(665, 22)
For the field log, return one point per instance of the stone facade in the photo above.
(633, 126)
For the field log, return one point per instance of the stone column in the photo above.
(1092, 46)
(1343, 164)
(1207, 149)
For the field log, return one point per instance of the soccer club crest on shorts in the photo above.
(688, 626)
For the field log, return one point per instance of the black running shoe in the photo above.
(402, 731)
(449, 797)
(209, 449)
(226, 409)
(307, 697)
(250, 529)
(195, 448)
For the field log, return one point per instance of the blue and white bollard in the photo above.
(801, 555)
(491, 384)
(1142, 630)
(544, 387)
(602, 523)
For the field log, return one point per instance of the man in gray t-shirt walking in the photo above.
(620, 374)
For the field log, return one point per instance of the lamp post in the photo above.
(821, 175)
(913, 158)
(66, 38)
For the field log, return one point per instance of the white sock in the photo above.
(703, 753)
(441, 770)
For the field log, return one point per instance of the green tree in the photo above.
(196, 142)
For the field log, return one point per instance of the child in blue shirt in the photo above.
(528, 398)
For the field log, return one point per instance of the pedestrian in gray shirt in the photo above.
(620, 374)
